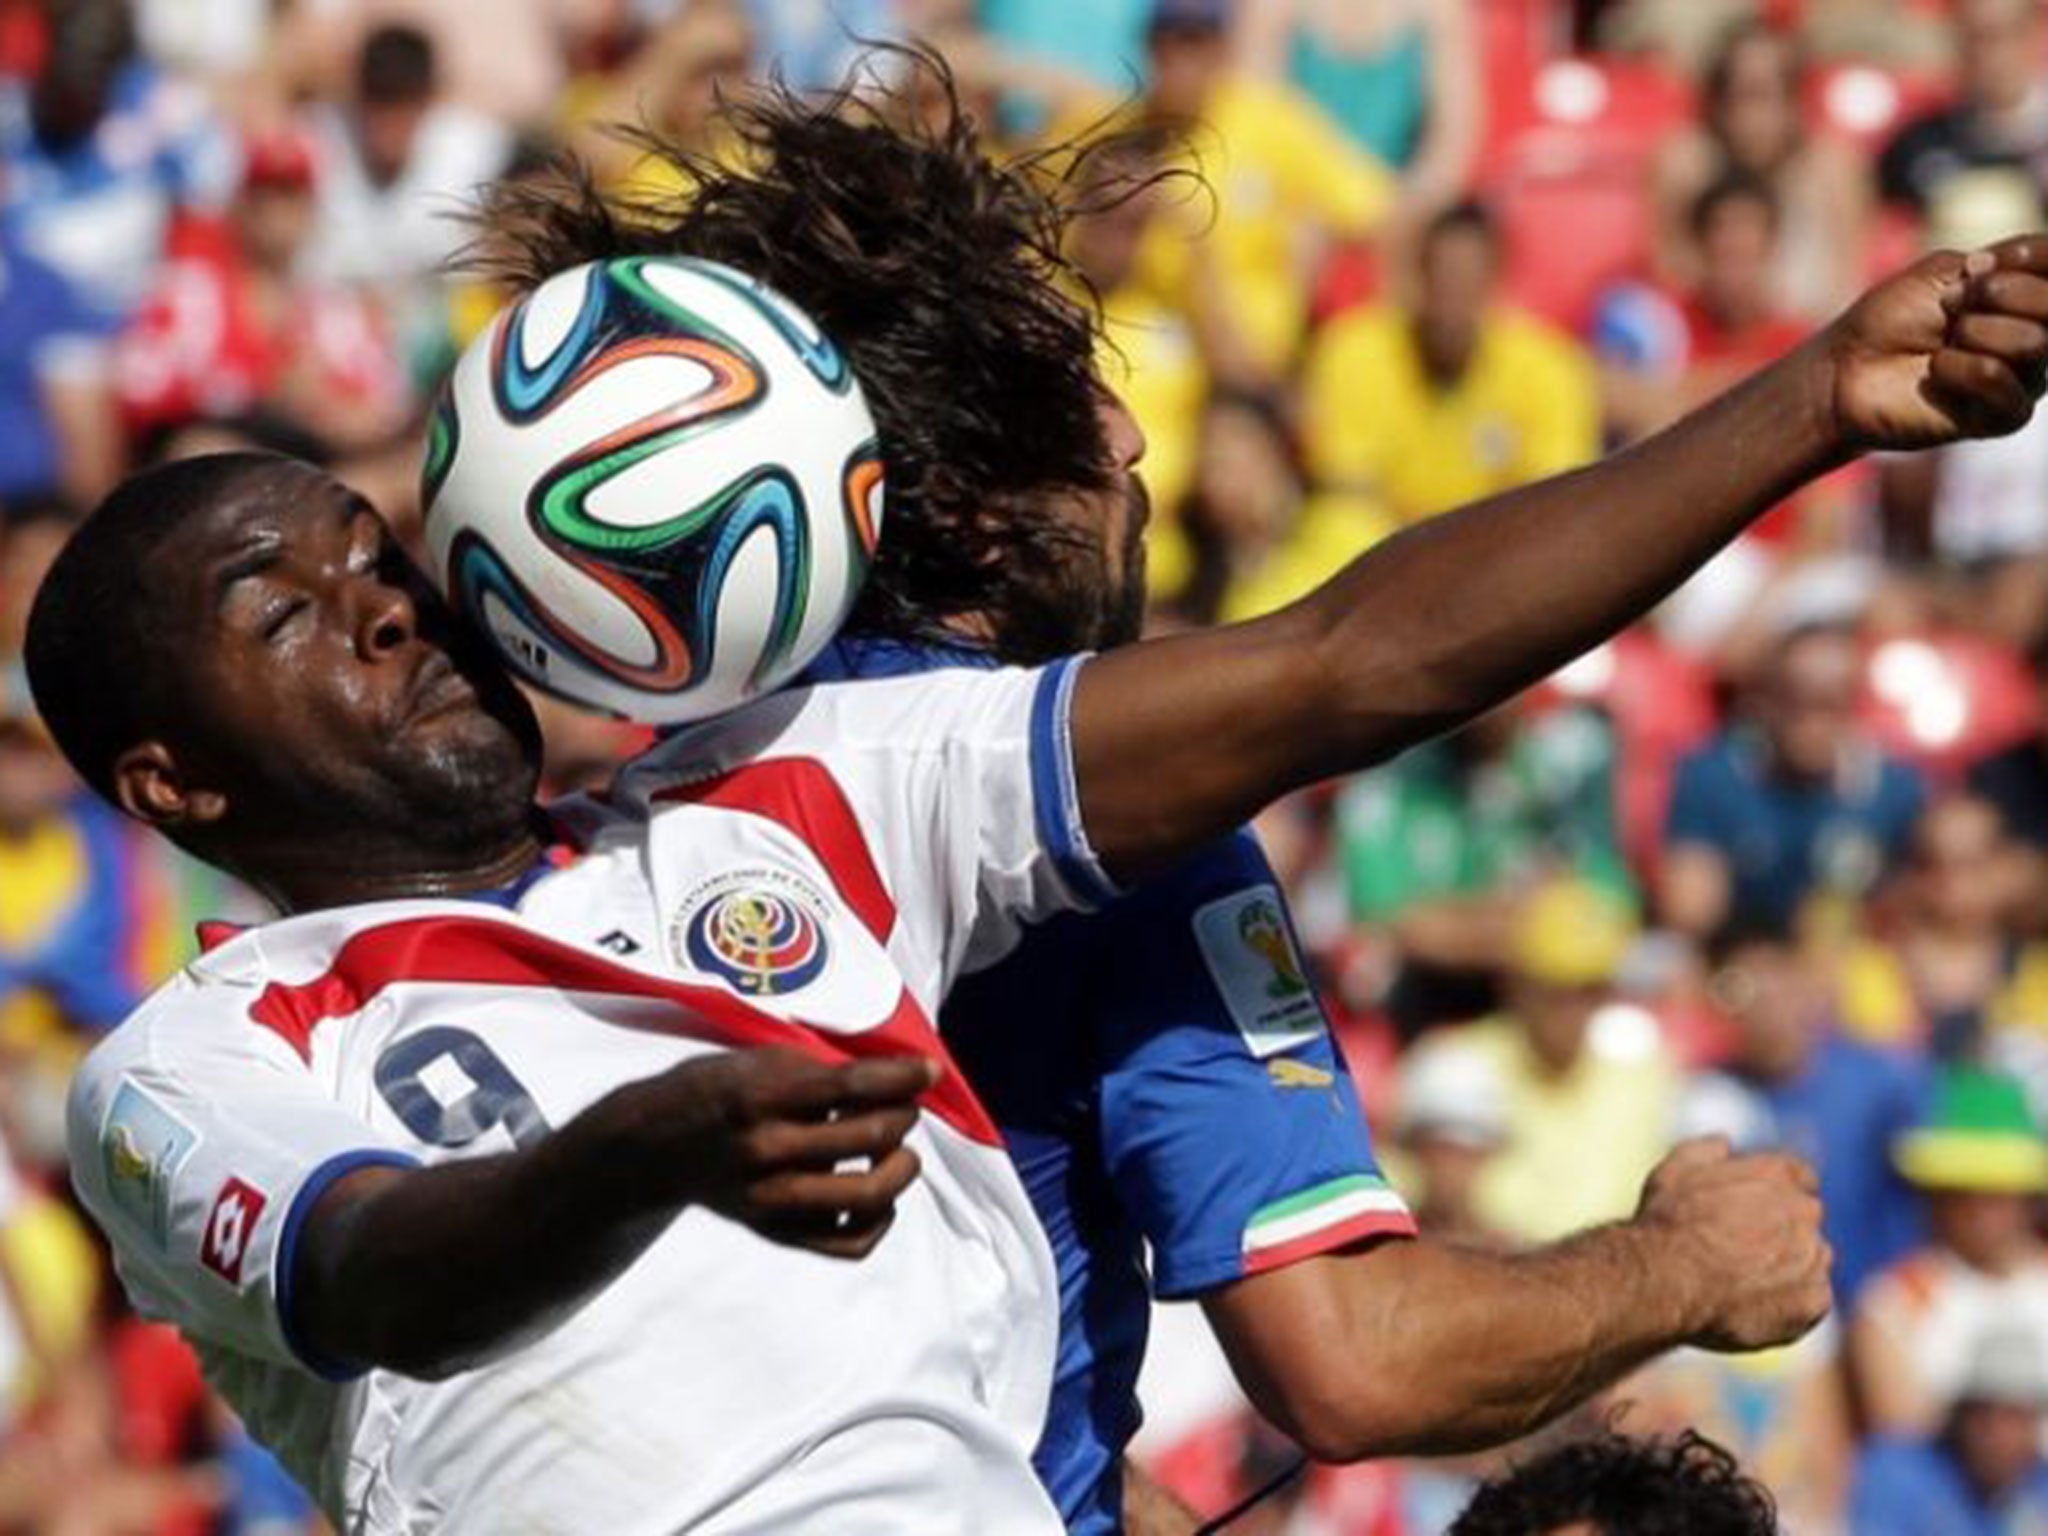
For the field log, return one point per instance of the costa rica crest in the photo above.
(765, 932)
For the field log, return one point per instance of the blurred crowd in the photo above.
(1772, 866)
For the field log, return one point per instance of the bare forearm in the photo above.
(1431, 627)
(428, 1272)
(1504, 1344)
(1446, 1349)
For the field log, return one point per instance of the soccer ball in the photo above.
(655, 485)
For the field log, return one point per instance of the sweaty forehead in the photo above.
(285, 500)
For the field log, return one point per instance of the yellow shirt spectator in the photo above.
(1580, 1142)
(1149, 357)
(1525, 407)
(1285, 180)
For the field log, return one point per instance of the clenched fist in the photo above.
(803, 1152)
(1741, 1243)
(1955, 346)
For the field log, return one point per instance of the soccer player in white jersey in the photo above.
(430, 1169)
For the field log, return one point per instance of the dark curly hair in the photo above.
(939, 269)
(1687, 1486)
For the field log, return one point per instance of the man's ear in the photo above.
(150, 785)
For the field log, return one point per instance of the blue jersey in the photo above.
(1163, 1075)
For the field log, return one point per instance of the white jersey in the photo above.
(798, 874)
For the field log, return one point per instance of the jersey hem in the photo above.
(316, 1184)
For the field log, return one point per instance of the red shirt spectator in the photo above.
(230, 329)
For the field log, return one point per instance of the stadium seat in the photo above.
(1945, 700)
(1571, 183)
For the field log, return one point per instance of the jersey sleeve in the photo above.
(965, 787)
(200, 1164)
(1230, 1125)
(958, 784)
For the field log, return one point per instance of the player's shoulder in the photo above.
(840, 719)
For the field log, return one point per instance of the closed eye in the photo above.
(274, 623)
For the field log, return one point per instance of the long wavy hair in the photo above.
(938, 267)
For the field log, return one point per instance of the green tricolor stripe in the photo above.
(1313, 1209)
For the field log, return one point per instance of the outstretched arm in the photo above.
(1176, 742)
(428, 1271)
(1419, 1348)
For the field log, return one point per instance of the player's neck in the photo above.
(412, 874)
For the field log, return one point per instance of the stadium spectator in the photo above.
(1590, 1091)
(1981, 1161)
(1148, 351)
(1612, 1486)
(1286, 184)
(1437, 849)
(671, 84)
(1752, 124)
(1997, 131)
(1260, 537)
(1947, 970)
(1983, 1474)
(1455, 397)
(1400, 76)
(1792, 1081)
(1453, 1119)
(395, 164)
(59, 431)
(234, 329)
(502, 59)
(1790, 801)
(98, 152)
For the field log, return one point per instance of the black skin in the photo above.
(1176, 743)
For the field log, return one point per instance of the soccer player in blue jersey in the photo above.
(1192, 1100)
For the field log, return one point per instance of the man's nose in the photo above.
(386, 620)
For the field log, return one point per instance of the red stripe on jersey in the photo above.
(799, 793)
(460, 951)
(1369, 1225)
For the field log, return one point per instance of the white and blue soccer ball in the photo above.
(655, 484)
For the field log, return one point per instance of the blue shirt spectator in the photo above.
(50, 343)
(93, 196)
(1920, 1488)
(1794, 801)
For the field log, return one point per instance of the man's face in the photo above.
(1187, 61)
(1985, 1228)
(1738, 248)
(1759, 116)
(1095, 597)
(325, 687)
(1769, 994)
(1810, 703)
(274, 222)
(1960, 858)
(1556, 1018)
(389, 130)
(1997, 1443)
(1458, 271)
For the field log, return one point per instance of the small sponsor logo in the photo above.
(765, 932)
(1251, 955)
(1286, 1072)
(230, 1226)
(143, 1145)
